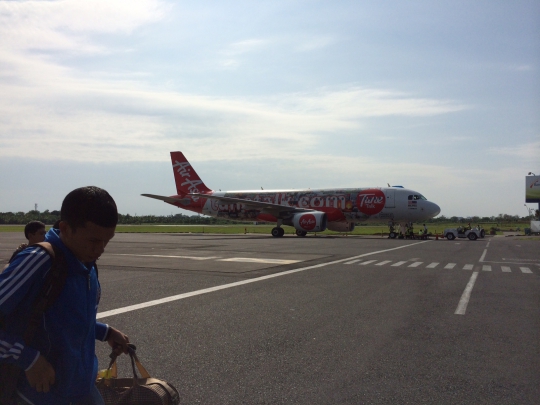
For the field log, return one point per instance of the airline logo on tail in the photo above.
(187, 180)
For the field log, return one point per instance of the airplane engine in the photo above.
(310, 222)
(341, 226)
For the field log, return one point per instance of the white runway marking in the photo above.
(486, 268)
(352, 261)
(255, 260)
(396, 264)
(506, 269)
(176, 257)
(368, 262)
(147, 304)
(525, 270)
(483, 255)
(462, 306)
(415, 264)
(383, 263)
(432, 265)
(450, 266)
(468, 267)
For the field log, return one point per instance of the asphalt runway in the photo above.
(251, 319)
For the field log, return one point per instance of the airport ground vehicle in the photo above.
(471, 234)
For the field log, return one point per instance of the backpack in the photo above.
(49, 292)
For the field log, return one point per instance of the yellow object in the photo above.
(106, 374)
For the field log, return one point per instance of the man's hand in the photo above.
(41, 375)
(118, 341)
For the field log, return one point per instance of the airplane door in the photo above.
(390, 194)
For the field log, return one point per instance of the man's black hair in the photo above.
(33, 227)
(91, 204)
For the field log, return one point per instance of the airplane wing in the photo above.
(183, 201)
(276, 210)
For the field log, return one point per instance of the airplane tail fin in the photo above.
(187, 180)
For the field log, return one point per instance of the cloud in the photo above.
(66, 24)
(230, 56)
(527, 151)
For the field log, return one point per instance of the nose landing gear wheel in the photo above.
(301, 233)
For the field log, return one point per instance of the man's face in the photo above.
(86, 243)
(37, 236)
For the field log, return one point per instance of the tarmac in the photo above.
(251, 319)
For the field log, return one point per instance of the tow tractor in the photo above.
(471, 234)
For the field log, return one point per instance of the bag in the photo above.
(135, 391)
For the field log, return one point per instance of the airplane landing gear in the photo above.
(278, 232)
(301, 233)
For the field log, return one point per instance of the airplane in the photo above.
(306, 210)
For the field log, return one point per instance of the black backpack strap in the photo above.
(51, 289)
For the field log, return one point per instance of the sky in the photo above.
(440, 97)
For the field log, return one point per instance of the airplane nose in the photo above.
(434, 209)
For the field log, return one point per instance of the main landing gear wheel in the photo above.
(450, 236)
(278, 232)
(301, 233)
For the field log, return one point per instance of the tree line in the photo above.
(50, 217)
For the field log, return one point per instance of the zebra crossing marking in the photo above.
(352, 261)
(432, 265)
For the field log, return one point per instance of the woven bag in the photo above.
(143, 390)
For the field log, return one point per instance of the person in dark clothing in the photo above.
(60, 366)
(34, 231)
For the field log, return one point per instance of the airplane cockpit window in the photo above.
(415, 197)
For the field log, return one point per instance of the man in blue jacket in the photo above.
(60, 365)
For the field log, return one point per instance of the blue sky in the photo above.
(441, 97)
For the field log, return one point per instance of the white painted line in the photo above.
(525, 270)
(462, 306)
(432, 265)
(483, 255)
(506, 269)
(486, 268)
(396, 264)
(450, 266)
(352, 261)
(368, 262)
(488, 244)
(415, 264)
(468, 267)
(383, 263)
(255, 260)
(147, 304)
(175, 257)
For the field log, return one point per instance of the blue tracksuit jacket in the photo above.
(66, 336)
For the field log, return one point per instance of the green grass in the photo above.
(265, 229)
